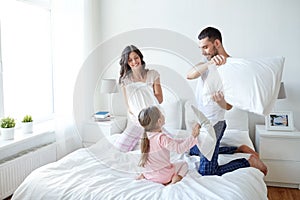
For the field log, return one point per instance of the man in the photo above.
(210, 42)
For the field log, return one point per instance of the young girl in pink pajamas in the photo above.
(156, 147)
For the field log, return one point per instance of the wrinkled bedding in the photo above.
(101, 172)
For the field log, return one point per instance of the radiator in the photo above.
(15, 169)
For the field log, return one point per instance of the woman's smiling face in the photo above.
(134, 60)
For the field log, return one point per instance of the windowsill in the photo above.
(43, 133)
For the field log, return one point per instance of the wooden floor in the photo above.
(280, 193)
(275, 193)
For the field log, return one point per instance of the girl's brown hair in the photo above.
(148, 119)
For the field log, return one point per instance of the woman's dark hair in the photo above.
(125, 68)
(211, 33)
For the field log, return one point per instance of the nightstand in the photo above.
(280, 151)
(93, 131)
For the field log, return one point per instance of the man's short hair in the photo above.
(211, 33)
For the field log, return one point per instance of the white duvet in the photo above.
(101, 172)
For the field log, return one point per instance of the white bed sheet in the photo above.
(101, 172)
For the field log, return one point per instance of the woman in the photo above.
(141, 88)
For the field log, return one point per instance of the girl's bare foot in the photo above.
(139, 177)
(176, 178)
(257, 163)
(246, 149)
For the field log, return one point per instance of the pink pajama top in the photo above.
(158, 166)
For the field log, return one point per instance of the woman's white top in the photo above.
(140, 95)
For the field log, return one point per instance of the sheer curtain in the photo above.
(67, 21)
(76, 33)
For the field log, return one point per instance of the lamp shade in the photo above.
(281, 94)
(109, 86)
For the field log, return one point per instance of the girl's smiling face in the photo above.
(134, 60)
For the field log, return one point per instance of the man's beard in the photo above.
(213, 54)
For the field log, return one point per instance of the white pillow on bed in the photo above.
(250, 84)
(173, 114)
(233, 137)
(237, 119)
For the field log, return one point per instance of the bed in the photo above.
(102, 172)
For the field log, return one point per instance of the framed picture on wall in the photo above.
(282, 121)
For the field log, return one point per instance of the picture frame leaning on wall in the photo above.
(281, 121)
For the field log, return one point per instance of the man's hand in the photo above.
(219, 60)
(218, 97)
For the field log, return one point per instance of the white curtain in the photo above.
(67, 21)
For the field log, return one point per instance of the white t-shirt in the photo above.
(210, 108)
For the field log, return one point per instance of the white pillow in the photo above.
(236, 138)
(250, 84)
(173, 114)
(237, 119)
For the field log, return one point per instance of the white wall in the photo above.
(250, 29)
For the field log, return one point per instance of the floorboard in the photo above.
(281, 193)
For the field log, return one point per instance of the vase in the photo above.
(27, 127)
(8, 133)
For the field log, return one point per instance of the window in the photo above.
(25, 53)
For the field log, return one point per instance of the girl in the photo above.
(141, 88)
(156, 147)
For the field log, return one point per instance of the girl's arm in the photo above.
(181, 145)
(177, 145)
(157, 90)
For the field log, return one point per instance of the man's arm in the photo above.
(198, 69)
(201, 67)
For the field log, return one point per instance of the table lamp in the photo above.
(109, 86)
(281, 94)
